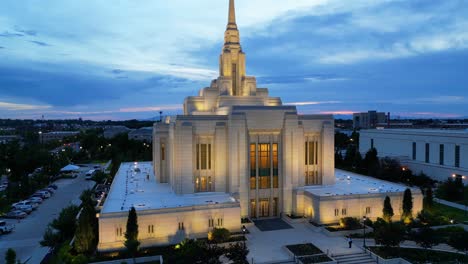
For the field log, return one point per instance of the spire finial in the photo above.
(232, 12)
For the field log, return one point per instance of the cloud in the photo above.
(40, 43)
(21, 107)
(151, 108)
(429, 115)
(7, 34)
(338, 112)
(313, 103)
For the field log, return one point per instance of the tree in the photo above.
(85, 237)
(426, 237)
(459, 242)
(387, 210)
(388, 234)
(131, 234)
(66, 222)
(51, 238)
(10, 256)
(371, 162)
(237, 253)
(407, 215)
(220, 235)
(428, 198)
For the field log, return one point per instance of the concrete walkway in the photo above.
(452, 204)
(268, 246)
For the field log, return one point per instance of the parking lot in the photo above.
(28, 232)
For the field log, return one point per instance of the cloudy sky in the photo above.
(103, 59)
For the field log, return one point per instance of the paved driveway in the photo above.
(28, 232)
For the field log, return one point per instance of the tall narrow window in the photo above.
(253, 167)
(311, 162)
(457, 156)
(234, 79)
(264, 166)
(441, 154)
(414, 150)
(275, 165)
(203, 154)
(198, 156)
(372, 143)
(427, 152)
(163, 151)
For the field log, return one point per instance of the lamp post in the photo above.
(364, 230)
(243, 233)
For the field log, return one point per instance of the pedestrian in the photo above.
(350, 241)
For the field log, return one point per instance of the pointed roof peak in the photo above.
(232, 12)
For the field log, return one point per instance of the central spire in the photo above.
(232, 12)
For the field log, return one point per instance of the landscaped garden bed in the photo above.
(315, 259)
(417, 255)
(308, 253)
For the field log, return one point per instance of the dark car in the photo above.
(16, 214)
(53, 186)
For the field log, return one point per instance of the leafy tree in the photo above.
(131, 234)
(426, 237)
(389, 234)
(459, 241)
(237, 253)
(387, 210)
(407, 215)
(195, 251)
(51, 238)
(371, 162)
(10, 256)
(350, 223)
(85, 237)
(66, 222)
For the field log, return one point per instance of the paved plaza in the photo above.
(29, 231)
(268, 246)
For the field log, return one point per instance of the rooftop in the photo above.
(348, 183)
(462, 132)
(135, 185)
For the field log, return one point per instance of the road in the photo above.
(28, 232)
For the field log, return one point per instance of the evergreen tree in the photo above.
(387, 210)
(131, 234)
(10, 256)
(429, 198)
(237, 253)
(85, 237)
(371, 162)
(407, 215)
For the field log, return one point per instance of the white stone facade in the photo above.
(438, 153)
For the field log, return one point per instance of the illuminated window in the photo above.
(337, 212)
(203, 154)
(368, 210)
(220, 222)
(181, 226)
(311, 174)
(253, 167)
(264, 168)
(211, 222)
(343, 211)
(275, 165)
(118, 232)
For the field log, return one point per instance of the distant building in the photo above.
(438, 153)
(112, 131)
(8, 139)
(142, 134)
(56, 135)
(368, 120)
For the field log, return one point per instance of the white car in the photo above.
(26, 206)
(5, 228)
(37, 200)
(43, 194)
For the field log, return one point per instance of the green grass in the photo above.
(449, 212)
(417, 255)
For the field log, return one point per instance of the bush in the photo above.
(350, 223)
(220, 235)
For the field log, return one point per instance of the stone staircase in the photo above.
(354, 258)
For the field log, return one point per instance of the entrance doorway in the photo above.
(264, 210)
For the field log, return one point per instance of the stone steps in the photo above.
(355, 258)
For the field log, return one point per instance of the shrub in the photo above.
(350, 223)
(220, 235)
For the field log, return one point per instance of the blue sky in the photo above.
(131, 59)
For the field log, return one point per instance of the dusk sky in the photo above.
(99, 59)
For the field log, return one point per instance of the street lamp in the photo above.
(243, 233)
(364, 230)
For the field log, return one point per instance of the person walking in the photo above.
(350, 241)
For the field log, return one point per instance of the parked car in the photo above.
(36, 199)
(48, 189)
(5, 228)
(16, 214)
(53, 186)
(26, 206)
(89, 175)
(44, 194)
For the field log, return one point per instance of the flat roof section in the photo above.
(348, 183)
(135, 185)
(444, 132)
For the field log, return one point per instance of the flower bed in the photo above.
(418, 255)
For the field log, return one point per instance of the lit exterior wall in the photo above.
(161, 227)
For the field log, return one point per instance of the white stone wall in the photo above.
(165, 224)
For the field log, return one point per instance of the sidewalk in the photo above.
(452, 204)
(408, 244)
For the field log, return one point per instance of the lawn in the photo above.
(449, 212)
(416, 255)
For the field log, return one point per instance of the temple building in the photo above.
(237, 153)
